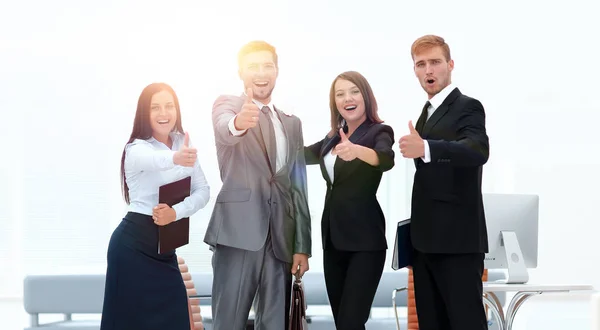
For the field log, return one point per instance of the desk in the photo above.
(523, 292)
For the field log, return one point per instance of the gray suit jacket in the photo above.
(253, 198)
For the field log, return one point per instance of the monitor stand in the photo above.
(517, 272)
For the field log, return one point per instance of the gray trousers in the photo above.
(240, 276)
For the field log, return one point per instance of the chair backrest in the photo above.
(314, 287)
(316, 291)
(63, 294)
(203, 286)
(193, 304)
(391, 280)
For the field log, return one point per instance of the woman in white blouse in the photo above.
(144, 289)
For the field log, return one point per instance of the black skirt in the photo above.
(144, 290)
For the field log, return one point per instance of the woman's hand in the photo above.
(186, 156)
(163, 215)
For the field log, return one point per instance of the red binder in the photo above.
(177, 233)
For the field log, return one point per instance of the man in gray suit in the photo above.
(260, 226)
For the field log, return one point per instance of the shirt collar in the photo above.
(175, 136)
(261, 105)
(439, 98)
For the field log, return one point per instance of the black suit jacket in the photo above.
(447, 207)
(352, 215)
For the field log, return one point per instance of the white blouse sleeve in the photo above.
(199, 194)
(141, 156)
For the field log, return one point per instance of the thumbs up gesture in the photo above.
(412, 145)
(186, 156)
(346, 150)
(248, 116)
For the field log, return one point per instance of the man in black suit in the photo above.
(449, 146)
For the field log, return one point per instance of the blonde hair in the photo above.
(427, 42)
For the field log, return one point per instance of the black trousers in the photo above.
(449, 290)
(352, 279)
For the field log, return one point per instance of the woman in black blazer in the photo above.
(353, 157)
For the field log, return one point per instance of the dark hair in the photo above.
(367, 93)
(256, 46)
(141, 123)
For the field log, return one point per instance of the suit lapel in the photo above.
(439, 112)
(328, 144)
(287, 129)
(265, 142)
(263, 123)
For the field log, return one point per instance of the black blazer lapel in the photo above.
(328, 144)
(439, 112)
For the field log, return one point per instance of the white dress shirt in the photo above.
(149, 165)
(435, 103)
(329, 162)
(280, 138)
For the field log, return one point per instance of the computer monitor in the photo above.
(512, 227)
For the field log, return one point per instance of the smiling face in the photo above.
(163, 115)
(349, 102)
(258, 71)
(433, 70)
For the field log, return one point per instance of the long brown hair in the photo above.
(141, 124)
(367, 93)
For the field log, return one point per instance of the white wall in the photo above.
(71, 72)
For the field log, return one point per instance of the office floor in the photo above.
(540, 313)
(12, 315)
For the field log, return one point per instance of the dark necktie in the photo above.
(423, 118)
(272, 143)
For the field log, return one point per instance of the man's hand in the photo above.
(248, 116)
(186, 156)
(163, 215)
(345, 149)
(300, 265)
(412, 145)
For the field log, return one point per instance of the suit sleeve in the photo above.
(384, 140)
(224, 110)
(311, 153)
(471, 147)
(302, 243)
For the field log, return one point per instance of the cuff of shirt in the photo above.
(427, 155)
(232, 129)
(178, 211)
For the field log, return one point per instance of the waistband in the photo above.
(139, 218)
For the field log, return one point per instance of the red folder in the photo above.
(177, 233)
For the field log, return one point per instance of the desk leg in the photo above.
(494, 305)
(515, 304)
